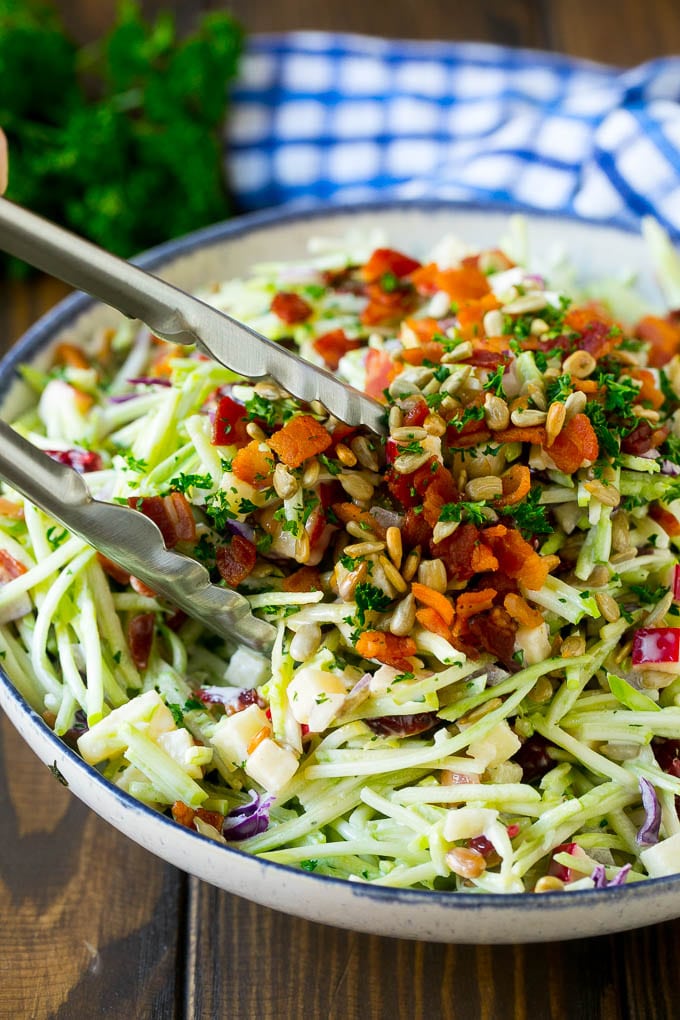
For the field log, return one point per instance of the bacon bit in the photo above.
(649, 391)
(663, 336)
(261, 735)
(230, 424)
(333, 346)
(384, 307)
(644, 438)
(469, 604)
(576, 443)
(291, 308)
(12, 510)
(434, 600)
(346, 512)
(432, 621)
(253, 465)
(415, 530)
(9, 567)
(71, 355)
(142, 589)
(483, 559)
(411, 489)
(183, 814)
(430, 351)
(464, 440)
(381, 370)
(214, 818)
(495, 633)
(520, 610)
(340, 434)
(402, 725)
(441, 490)
(113, 570)
(299, 439)
(595, 328)
(304, 579)
(485, 358)
(464, 284)
(666, 519)
(140, 633)
(516, 483)
(424, 329)
(456, 552)
(388, 648)
(387, 260)
(81, 461)
(534, 434)
(236, 560)
(172, 514)
(471, 318)
(516, 558)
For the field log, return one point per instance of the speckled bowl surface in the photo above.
(219, 253)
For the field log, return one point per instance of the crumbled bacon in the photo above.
(172, 514)
(236, 560)
(230, 423)
(290, 307)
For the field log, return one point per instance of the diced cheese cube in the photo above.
(271, 765)
(103, 740)
(233, 734)
(663, 858)
(315, 697)
(534, 642)
(247, 668)
(497, 746)
(178, 744)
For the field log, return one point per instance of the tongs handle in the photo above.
(130, 539)
(174, 315)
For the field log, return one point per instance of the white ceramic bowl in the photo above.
(216, 254)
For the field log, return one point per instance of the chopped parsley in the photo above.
(332, 466)
(218, 509)
(369, 598)
(648, 596)
(530, 516)
(558, 389)
(475, 413)
(474, 512)
(494, 384)
(177, 713)
(261, 409)
(183, 482)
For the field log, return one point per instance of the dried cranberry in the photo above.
(482, 845)
(81, 461)
(667, 754)
(534, 757)
(402, 725)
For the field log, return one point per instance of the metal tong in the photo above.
(122, 534)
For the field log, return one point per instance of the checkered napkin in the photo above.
(340, 118)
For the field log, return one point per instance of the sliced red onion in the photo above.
(669, 468)
(242, 529)
(387, 518)
(652, 454)
(649, 830)
(149, 380)
(123, 398)
(599, 877)
(536, 280)
(248, 819)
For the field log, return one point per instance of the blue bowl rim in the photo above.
(65, 312)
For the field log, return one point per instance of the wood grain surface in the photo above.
(91, 925)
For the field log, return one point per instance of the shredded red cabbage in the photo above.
(248, 819)
(599, 877)
(649, 830)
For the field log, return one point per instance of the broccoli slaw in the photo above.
(475, 684)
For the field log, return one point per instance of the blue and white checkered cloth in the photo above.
(340, 118)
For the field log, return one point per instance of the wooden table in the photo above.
(92, 926)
